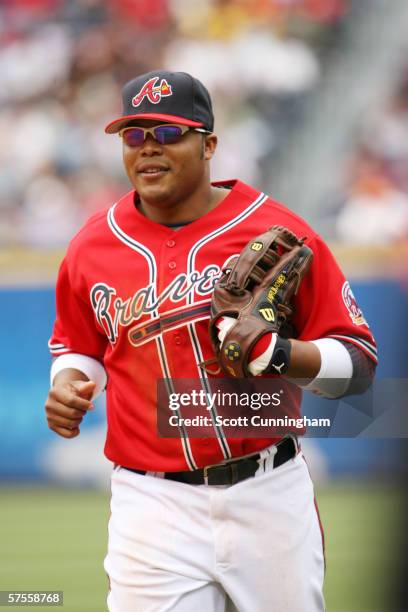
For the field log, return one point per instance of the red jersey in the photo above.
(135, 295)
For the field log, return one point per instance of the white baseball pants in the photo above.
(255, 546)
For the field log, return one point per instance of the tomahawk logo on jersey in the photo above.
(143, 308)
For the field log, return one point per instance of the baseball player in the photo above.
(196, 523)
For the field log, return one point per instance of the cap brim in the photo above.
(118, 124)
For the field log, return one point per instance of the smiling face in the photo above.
(172, 178)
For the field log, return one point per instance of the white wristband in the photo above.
(91, 367)
(336, 369)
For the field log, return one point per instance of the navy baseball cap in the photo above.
(172, 97)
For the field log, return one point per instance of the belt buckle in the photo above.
(230, 463)
(209, 467)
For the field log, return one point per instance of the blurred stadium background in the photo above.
(311, 105)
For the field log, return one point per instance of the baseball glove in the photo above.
(256, 290)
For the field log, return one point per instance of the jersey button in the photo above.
(171, 243)
(177, 340)
(172, 265)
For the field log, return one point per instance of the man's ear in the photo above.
(210, 144)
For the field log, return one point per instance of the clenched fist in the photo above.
(69, 399)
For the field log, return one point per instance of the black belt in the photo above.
(232, 472)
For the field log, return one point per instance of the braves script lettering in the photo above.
(113, 312)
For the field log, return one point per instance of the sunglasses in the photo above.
(165, 134)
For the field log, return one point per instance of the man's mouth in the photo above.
(152, 171)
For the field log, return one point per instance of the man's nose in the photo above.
(150, 145)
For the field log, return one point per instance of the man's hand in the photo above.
(305, 359)
(67, 403)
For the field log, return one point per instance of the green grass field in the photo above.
(52, 539)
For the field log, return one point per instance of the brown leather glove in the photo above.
(257, 291)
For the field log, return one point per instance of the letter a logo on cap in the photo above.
(154, 93)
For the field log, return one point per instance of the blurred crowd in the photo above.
(374, 209)
(62, 65)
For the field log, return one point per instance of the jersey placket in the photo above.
(181, 342)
